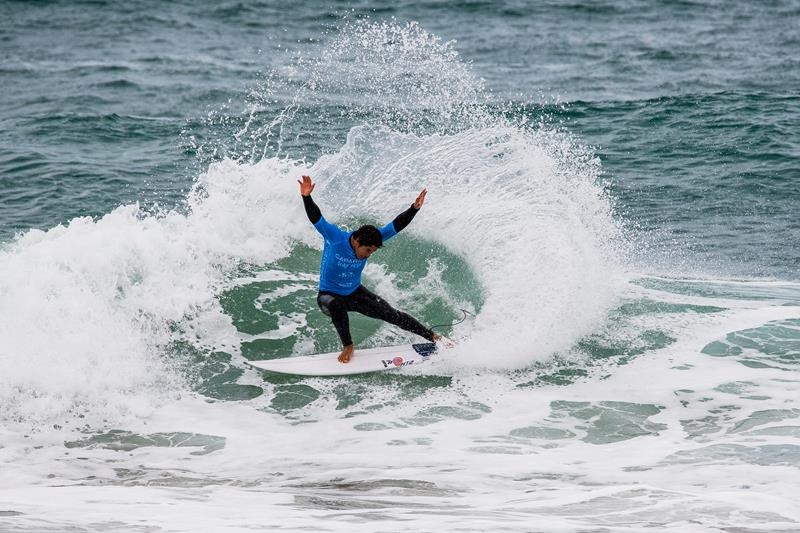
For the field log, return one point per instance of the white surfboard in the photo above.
(363, 361)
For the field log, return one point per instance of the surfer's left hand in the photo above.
(420, 199)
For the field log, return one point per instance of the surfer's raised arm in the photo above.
(404, 219)
(312, 210)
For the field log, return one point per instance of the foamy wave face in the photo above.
(522, 207)
(91, 308)
(524, 210)
(77, 330)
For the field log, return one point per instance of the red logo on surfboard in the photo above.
(396, 362)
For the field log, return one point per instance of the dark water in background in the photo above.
(692, 107)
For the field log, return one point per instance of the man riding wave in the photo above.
(344, 256)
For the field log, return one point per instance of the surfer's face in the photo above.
(362, 252)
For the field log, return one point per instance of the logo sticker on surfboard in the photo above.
(396, 362)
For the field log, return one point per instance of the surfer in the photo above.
(344, 256)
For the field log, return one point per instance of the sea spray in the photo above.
(388, 73)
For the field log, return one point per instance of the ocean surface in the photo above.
(610, 235)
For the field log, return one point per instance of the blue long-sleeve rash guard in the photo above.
(340, 270)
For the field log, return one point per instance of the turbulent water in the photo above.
(610, 235)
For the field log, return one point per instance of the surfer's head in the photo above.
(365, 240)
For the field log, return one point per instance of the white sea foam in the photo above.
(552, 457)
(91, 308)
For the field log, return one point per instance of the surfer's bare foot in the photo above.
(447, 342)
(346, 354)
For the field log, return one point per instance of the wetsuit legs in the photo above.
(335, 306)
(363, 301)
(374, 306)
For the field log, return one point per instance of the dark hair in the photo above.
(368, 236)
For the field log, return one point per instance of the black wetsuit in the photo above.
(336, 301)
